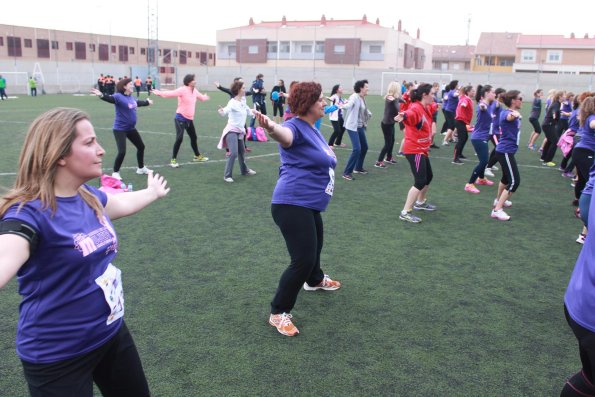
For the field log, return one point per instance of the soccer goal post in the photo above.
(419, 77)
(17, 83)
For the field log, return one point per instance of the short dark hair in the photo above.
(188, 79)
(357, 87)
(121, 85)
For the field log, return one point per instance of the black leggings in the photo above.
(583, 159)
(583, 381)
(549, 149)
(277, 107)
(189, 127)
(449, 121)
(536, 125)
(510, 171)
(303, 232)
(115, 367)
(136, 140)
(338, 131)
(388, 130)
(421, 169)
(462, 136)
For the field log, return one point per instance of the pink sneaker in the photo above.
(484, 181)
(471, 188)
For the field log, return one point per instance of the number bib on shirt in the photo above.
(111, 284)
(331, 184)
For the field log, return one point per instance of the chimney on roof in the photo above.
(399, 25)
(323, 20)
(586, 36)
(251, 21)
(572, 35)
(377, 21)
(418, 32)
(364, 19)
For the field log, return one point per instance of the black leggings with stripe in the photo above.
(510, 171)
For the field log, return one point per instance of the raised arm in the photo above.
(124, 204)
(281, 134)
(107, 98)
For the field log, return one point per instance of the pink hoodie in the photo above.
(187, 97)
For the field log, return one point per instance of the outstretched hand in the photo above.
(96, 92)
(264, 121)
(157, 185)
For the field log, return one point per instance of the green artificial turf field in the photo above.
(459, 305)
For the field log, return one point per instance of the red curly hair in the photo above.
(302, 96)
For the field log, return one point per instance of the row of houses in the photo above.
(316, 44)
(519, 53)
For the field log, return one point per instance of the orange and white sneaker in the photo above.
(283, 324)
(326, 284)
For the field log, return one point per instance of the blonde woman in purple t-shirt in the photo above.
(304, 189)
(57, 237)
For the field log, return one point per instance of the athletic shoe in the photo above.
(494, 168)
(577, 212)
(500, 215)
(549, 164)
(540, 150)
(390, 160)
(326, 284)
(116, 175)
(283, 324)
(250, 172)
(507, 203)
(380, 164)
(425, 206)
(568, 175)
(200, 158)
(409, 217)
(434, 146)
(343, 145)
(484, 181)
(575, 202)
(531, 147)
(471, 188)
(457, 162)
(362, 171)
(445, 143)
(462, 157)
(174, 163)
(400, 154)
(581, 238)
(228, 180)
(246, 149)
(143, 171)
(488, 172)
(347, 177)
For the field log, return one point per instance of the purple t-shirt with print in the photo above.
(587, 135)
(64, 312)
(484, 121)
(511, 133)
(306, 174)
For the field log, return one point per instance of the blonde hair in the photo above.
(48, 140)
(393, 89)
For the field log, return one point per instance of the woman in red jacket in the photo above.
(418, 138)
(463, 117)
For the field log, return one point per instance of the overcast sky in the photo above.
(440, 21)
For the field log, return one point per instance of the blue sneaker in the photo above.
(409, 217)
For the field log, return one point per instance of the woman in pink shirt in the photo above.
(184, 120)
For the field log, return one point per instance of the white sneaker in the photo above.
(507, 203)
(581, 239)
(116, 175)
(143, 171)
(250, 172)
(229, 180)
(500, 215)
(494, 168)
(488, 172)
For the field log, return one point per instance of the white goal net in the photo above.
(17, 83)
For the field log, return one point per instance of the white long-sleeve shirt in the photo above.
(236, 111)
